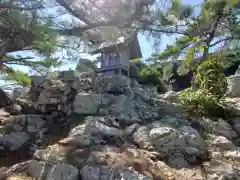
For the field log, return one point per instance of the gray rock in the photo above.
(234, 85)
(85, 103)
(48, 157)
(232, 154)
(142, 138)
(165, 139)
(125, 110)
(145, 95)
(220, 127)
(37, 169)
(35, 123)
(18, 92)
(82, 137)
(15, 140)
(222, 143)
(221, 170)
(129, 130)
(236, 126)
(94, 126)
(177, 160)
(116, 84)
(181, 145)
(17, 127)
(63, 171)
(107, 173)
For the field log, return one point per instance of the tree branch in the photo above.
(78, 31)
(9, 6)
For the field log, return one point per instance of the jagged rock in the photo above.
(81, 136)
(85, 103)
(180, 144)
(172, 121)
(177, 160)
(142, 138)
(218, 170)
(37, 169)
(164, 138)
(222, 143)
(112, 84)
(129, 130)
(232, 154)
(52, 94)
(63, 171)
(125, 110)
(14, 140)
(220, 127)
(95, 126)
(35, 122)
(82, 83)
(49, 157)
(107, 173)
(145, 95)
(84, 140)
(101, 154)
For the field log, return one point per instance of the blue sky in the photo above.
(145, 45)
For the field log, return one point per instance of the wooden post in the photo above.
(119, 71)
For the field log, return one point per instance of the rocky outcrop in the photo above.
(19, 130)
(125, 132)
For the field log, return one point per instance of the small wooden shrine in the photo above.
(115, 56)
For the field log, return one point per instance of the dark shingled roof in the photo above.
(133, 44)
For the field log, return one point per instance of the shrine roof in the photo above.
(111, 46)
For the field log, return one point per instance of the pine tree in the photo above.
(216, 26)
(22, 29)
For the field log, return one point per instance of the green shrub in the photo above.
(210, 75)
(211, 85)
(200, 103)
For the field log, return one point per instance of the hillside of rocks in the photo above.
(76, 127)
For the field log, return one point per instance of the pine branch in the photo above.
(9, 6)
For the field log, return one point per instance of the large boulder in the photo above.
(97, 126)
(112, 84)
(14, 140)
(124, 109)
(93, 131)
(178, 145)
(219, 127)
(89, 104)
